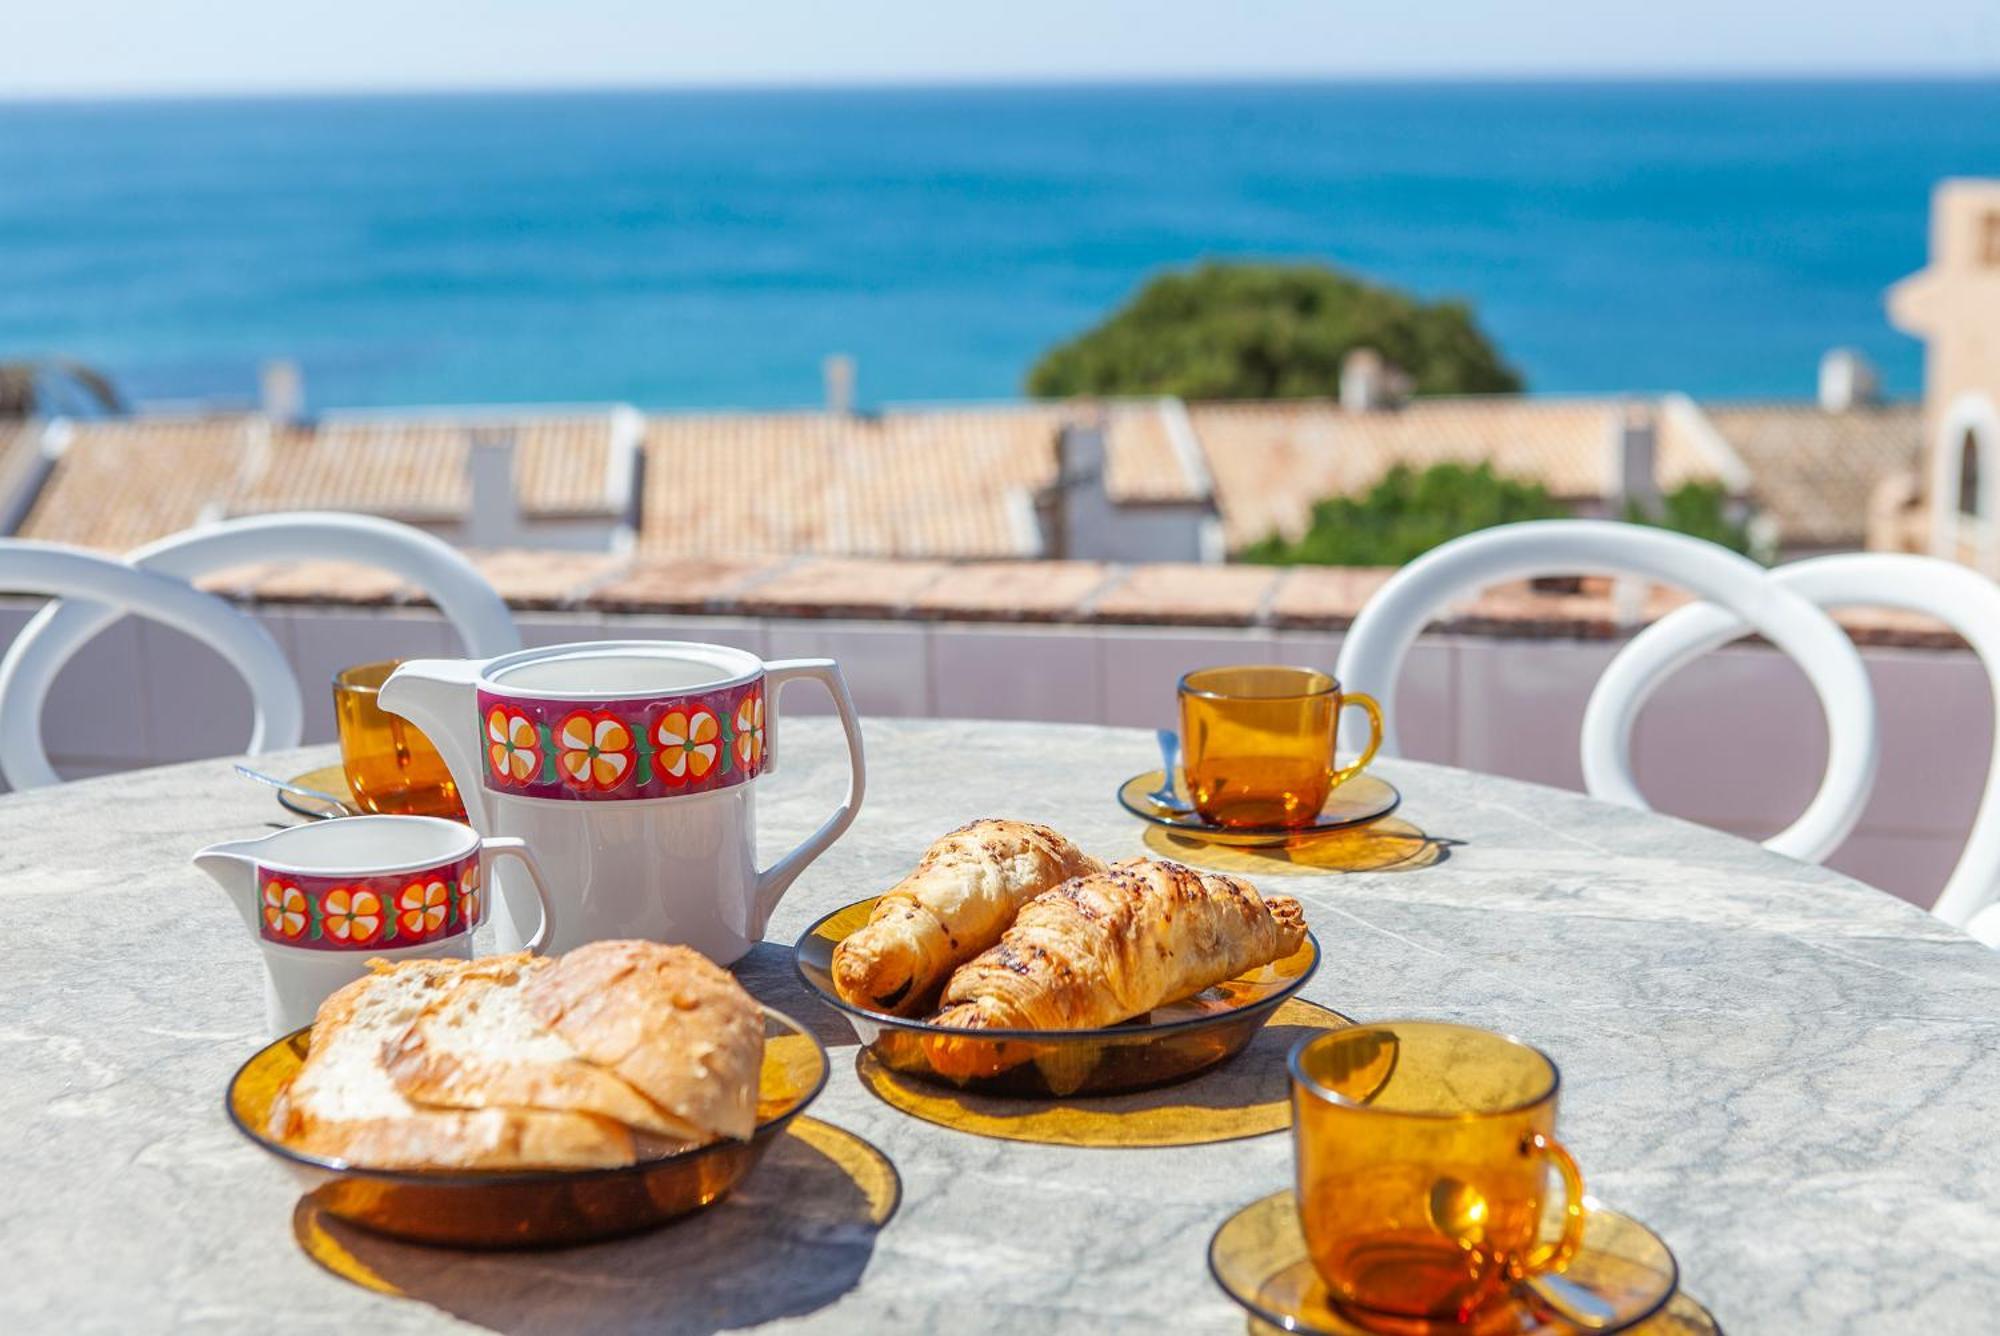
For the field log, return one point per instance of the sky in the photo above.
(89, 48)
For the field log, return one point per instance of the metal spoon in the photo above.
(320, 796)
(1170, 764)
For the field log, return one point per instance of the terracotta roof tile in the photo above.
(681, 584)
(414, 468)
(925, 482)
(839, 587)
(1814, 471)
(1174, 593)
(125, 482)
(1011, 591)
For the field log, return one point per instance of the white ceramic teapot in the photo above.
(325, 899)
(631, 768)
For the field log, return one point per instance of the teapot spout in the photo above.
(233, 867)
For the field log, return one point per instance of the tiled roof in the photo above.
(931, 482)
(415, 467)
(123, 482)
(1272, 461)
(1814, 471)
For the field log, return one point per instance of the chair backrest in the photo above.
(1372, 654)
(32, 663)
(1963, 599)
(66, 572)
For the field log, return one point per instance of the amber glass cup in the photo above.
(1259, 743)
(1424, 1152)
(391, 766)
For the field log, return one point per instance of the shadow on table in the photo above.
(768, 973)
(792, 1239)
(1389, 845)
(1247, 1096)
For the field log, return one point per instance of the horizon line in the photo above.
(1005, 83)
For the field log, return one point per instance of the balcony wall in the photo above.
(1736, 741)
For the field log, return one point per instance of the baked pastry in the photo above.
(478, 1046)
(958, 901)
(667, 1021)
(1113, 945)
(344, 1104)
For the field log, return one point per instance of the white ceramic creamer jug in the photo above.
(326, 898)
(631, 768)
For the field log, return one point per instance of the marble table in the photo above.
(1791, 1076)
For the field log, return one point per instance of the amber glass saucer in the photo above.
(1169, 1044)
(1360, 800)
(328, 779)
(531, 1208)
(1624, 1278)
(1247, 1098)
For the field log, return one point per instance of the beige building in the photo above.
(1954, 307)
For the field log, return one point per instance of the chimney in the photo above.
(1368, 382)
(281, 390)
(495, 517)
(1062, 506)
(838, 373)
(1847, 381)
(1632, 484)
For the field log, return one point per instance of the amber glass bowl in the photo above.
(533, 1208)
(1169, 1044)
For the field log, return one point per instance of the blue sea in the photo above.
(709, 249)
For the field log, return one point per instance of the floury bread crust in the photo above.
(344, 1105)
(479, 1047)
(666, 1020)
(959, 900)
(1107, 947)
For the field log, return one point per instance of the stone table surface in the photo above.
(1789, 1075)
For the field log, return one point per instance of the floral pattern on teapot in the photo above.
(650, 747)
(369, 913)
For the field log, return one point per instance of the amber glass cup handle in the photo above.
(1556, 1256)
(1366, 702)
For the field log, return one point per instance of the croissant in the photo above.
(957, 902)
(1107, 947)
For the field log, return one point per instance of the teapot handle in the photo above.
(773, 881)
(441, 696)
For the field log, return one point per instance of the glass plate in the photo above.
(1360, 800)
(1170, 1043)
(514, 1208)
(1624, 1278)
(328, 779)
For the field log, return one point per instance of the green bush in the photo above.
(1269, 331)
(1407, 514)
(1701, 510)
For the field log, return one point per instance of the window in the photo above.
(1968, 474)
(1989, 248)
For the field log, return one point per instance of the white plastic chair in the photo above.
(65, 572)
(1961, 598)
(1373, 652)
(54, 635)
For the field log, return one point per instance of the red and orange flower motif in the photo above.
(512, 745)
(750, 732)
(689, 742)
(352, 916)
(595, 750)
(422, 908)
(468, 897)
(284, 909)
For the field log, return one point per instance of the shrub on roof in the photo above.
(1405, 515)
(1269, 331)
